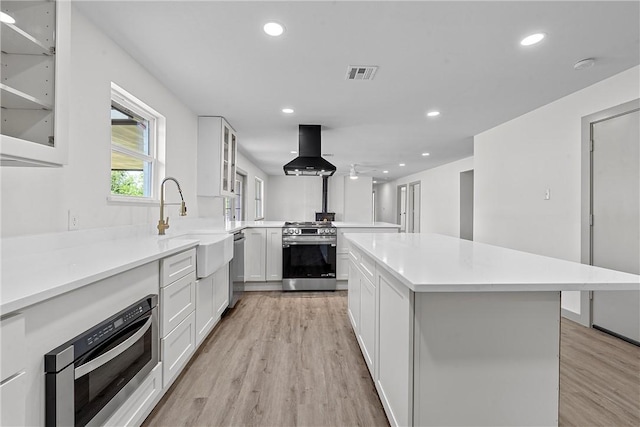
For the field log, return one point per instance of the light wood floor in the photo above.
(599, 378)
(278, 359)
(286, 359)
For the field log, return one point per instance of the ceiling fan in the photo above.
(355, 170)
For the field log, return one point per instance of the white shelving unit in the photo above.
(35, 59)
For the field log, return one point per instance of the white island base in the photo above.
(484, 357)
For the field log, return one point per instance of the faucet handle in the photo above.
(166, 223)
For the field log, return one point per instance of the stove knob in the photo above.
(333, 231)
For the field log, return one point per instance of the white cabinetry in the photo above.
(255, 247)
(177, 316)
(395, 349)
(35, 74)
(12, 370)
(217, 150)
(381, 310)
(212, 298)
(263, 254)
(274, 254)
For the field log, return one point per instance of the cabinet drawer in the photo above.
(367, 266)
(177, 301)
(138, 406)
(12, 345)
(176, 266)
(177, 348)
(12, 400)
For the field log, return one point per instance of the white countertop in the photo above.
(232, 227)
(38, 267)
(341, 224)
(437, 263)
(33, 278)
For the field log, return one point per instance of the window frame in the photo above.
(156, 138)
(259, 199)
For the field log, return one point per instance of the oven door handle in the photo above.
(307, 243)
(114, 352)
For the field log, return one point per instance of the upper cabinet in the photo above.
(35, 72)
(217, 149)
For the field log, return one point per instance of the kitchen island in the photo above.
(462, 333)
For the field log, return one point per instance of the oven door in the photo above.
(88, 391)
(308, 260)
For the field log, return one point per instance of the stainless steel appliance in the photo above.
(236, 270)
(90, 376)
(309, 256)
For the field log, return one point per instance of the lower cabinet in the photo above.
(255, 247)
(353, 296)
(212, 298)
(178, 300)
(368, 321)
(176, 349)
(12, 400)
(381, 310)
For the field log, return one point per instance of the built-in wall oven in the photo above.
(309, 256)
(90, 376)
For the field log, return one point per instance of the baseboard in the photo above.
(341, 285)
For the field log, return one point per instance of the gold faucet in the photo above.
(162, 224)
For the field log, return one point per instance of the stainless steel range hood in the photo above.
(309, 162)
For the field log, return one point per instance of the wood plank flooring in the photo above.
(599, 378)
(278, 359)
(291, 359)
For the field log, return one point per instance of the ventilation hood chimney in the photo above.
(309, 162)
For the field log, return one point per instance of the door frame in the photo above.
(586, 208)
(411, 190)
(399, 205)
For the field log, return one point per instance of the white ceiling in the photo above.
(461, 58)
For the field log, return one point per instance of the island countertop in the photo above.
(438, 263)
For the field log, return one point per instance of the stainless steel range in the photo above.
(309, 256)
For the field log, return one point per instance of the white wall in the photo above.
(294, 198)
(358, 199)
(517, 161)
(36, 200)
(439, 195)
(298, 198)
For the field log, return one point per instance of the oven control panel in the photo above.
(309, 231)
(106, 330)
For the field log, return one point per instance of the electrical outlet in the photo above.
(547, 194)
(74, 220)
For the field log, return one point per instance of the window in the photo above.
(137, 139)
(259, 199)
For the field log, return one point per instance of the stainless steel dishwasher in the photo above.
(236, 269)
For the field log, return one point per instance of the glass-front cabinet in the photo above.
(217, 148)
(35, 58)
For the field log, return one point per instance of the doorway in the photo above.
(402, 207)
(413, 208)
(615, 219)
(466, 205)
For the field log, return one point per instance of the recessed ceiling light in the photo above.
(7, 19)
(294, 152)
(273, 29)
(401, 164)
(425, 154)
(287, 110)
(584, 63)
(385, 171)
(532, 39)
(433, 113)
(375, 182)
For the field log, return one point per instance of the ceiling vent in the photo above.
(361, 72)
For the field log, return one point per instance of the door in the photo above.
(615, 233)
(402, 207)
(413, 201)
(466, 205)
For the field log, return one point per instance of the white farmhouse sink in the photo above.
(213, 251)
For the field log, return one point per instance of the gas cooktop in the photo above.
(308, 224)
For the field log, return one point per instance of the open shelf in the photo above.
(15, 99)
(16, 40)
